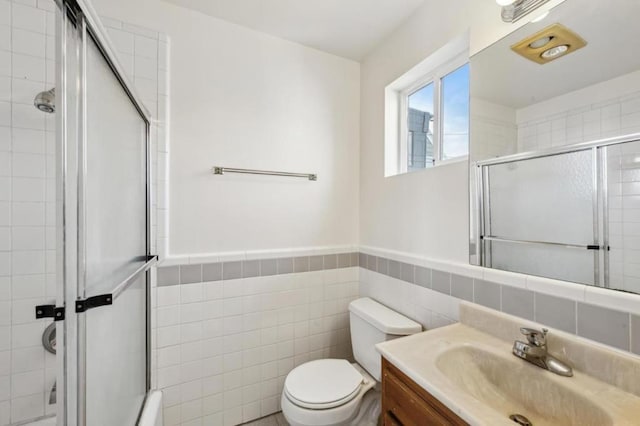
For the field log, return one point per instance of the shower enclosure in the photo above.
(103, 255)
(569, 213)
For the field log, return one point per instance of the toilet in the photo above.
(336, 392)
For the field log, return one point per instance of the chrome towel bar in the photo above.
(222, 170)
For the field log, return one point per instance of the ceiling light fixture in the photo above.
(556, 51)
(548, 44)
(515, 10)
(537, 44)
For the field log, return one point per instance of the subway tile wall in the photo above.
(27, 208)
(27, 187)
(228, 333)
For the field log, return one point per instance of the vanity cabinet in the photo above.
(405, 403)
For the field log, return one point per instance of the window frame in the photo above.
(435, 76)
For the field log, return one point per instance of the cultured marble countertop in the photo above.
(419, 355)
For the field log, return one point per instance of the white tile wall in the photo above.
(25, 375)
(428, 307)
(27, 187)
(144, 54)
(571, 123)
(624, 217)
(225, 347)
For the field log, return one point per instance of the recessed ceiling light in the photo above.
(553, 42)
(555, 51)
(537, 44)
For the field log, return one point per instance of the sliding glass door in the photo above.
(572, 214)
(104, 229)
(541, 218)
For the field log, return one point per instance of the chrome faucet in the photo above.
(535, 352)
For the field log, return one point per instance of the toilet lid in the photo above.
(325, 382)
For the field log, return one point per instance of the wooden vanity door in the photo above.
(405, 403)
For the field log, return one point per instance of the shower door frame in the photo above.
(76, 22)
(600, 201)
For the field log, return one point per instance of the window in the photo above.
(420, 112)
(455, 114)
(436, 116)
(427, 112)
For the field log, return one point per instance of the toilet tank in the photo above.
(371, 323)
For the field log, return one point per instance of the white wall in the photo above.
(240, 98)
(426, 212)
(422, 212)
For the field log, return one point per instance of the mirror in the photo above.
(555, 147)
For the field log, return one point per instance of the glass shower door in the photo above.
(106, 231)
(115, 236)
(540, 216)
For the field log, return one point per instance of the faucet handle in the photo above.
(535, 337)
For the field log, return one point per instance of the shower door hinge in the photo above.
(83, 305)
(50, 311)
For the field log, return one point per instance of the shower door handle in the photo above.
(83, 305)
(50, 311)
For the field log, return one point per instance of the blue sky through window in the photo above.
(455, 113)
(422, 99)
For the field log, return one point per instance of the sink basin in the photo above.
(512, 386)
(470, 369)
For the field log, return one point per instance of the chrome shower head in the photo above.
(46, 101)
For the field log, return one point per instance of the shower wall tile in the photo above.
(29, 18)
(27, 192)
(27, 249)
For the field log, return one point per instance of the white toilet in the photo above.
(336, 392)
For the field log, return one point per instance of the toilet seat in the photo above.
(323, 384)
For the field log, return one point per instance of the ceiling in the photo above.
(347, 28)
(501, 76)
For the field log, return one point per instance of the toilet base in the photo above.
(366, 414)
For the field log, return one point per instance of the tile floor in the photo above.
(272, 420)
